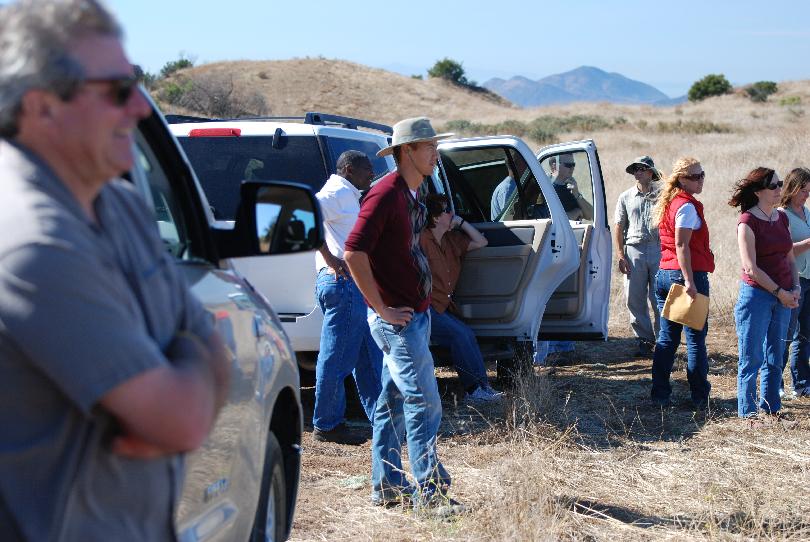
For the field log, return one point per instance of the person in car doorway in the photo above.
(446, 240)
(638, 249)
(109, 368)
(392, 272)
(346, 343)
(574, 203)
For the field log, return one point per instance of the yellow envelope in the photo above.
(681, 308)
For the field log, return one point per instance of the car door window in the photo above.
(339, 145)
(570, 174)
(168, 215)
(492, 184)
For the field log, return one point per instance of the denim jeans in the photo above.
(447, 330)
(639, 289)
(409, 408)
(669, 338)
(798, 337)
(346, 348)
(762, 323)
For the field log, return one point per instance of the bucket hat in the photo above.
(645, 162)
(412, 131)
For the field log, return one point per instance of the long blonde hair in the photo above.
(672, 186)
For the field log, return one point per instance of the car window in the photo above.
(168, 214)
(492, 184)
(570, 174)
(339, 145)
(222, 163)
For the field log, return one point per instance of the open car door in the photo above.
(497, 185)
(578, 309)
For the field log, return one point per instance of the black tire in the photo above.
(270, 523)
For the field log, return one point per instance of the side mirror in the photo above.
(274, 217)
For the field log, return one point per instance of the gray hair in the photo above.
(352, 159)
(35, 37)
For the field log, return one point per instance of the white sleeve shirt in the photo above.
(340, 205)
(686, 217)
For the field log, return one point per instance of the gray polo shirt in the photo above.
(634, 215)
(83, 308)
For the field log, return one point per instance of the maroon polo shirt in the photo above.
(384, 231)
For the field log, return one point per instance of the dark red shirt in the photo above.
(386, 231)
(772, 243)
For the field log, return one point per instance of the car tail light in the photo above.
(215, 132)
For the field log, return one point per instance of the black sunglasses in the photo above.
(447, 210)
(569, 164)
(774, 186)
(696, 177)
(121, 87)
(640, 169)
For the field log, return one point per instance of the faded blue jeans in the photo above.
(797, 350)
(346, 348)
(762, 323)
(669, 338)
(449, 331)
(409, 408)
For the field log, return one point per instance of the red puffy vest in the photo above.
(702, 257)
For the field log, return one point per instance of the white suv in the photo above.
(542, 275)
(226, 152)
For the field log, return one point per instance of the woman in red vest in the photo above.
(685, 259)
(768, 291)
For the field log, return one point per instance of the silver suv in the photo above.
(242, 483)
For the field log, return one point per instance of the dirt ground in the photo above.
(582, 454)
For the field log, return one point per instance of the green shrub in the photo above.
(449, 69)
(692, 127)
(790, 101)
(175, 65)
(759, 91)
(714, 84)
(173, 92)
(417, 76)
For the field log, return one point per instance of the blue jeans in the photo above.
(669, 338)
(798, 336)
(346, 348)
(447, 330)
(762, 323)
(409, 408)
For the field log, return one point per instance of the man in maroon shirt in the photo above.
(391, 271)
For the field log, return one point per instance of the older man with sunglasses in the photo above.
(109, 368)
(564, 183)
(638, 250)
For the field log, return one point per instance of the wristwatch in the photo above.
(775, 291)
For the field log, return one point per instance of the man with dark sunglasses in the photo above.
(638, 250)
(109, 368)
(564, 183)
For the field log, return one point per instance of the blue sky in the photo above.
(666, 44)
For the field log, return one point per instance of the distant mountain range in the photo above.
(583, 84)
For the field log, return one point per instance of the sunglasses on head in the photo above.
(121, 87)
(774, 186)
(696, 177)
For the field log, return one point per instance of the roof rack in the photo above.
(321, 119)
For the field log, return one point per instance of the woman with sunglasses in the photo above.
(768, 291)
(685, 259)
(445, 240)
(794, 197)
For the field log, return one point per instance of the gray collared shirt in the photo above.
(84, 307)
(634, 215)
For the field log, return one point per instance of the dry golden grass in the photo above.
(583, 454)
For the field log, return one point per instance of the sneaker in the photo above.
(340, 434)
(439, 506)
(484, 394)
(403, 499)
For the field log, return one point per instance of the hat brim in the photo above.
(632, 167)
(390, 149)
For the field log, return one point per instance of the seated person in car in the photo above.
(562, 177)
(445, 241)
